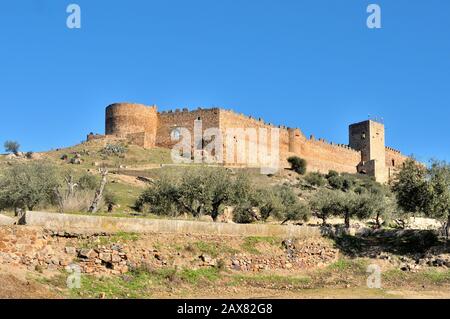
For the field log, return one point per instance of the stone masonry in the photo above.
(146, 127)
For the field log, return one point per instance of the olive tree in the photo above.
(206, 191)
(410, 188)
(298, 164)
(28, 186)
(161, 198)
(377, 205)
(291, 207)
(12, 147)
(326, 203)
(321, 204)
(270, 203)
(437, 198)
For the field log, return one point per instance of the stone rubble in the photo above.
(41, 250)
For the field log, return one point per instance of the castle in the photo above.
(366, 152)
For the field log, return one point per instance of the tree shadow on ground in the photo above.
(399, 242)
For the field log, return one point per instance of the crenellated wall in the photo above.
(144, 126)
(231, 123)
(323, 156)
(320, 155)
(135, 122)
(394, 161)
(170, 120)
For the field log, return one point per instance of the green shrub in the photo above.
(297, 164)
(270, 203)
(298, 211)
(203, 191)
(113, 150)
(88, 182)
(321, 206)
(206, 191)
(315, 179)
(12, 147)
(110, 200)
(162, 198)
(331, 174)
(28, 185)
(243, 214)
(337, 182)
(291, 208)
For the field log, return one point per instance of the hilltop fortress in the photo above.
(366, 152)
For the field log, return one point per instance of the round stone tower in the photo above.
(136, 122)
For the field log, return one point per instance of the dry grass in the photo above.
(79, 202)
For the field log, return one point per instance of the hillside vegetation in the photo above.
(363, 223)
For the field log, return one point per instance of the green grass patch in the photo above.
(129, 286)
(396, 277)
(125, 194)
(342, 265)
(197, 276)
(271, 280)
(437, 277)
(357, 266)
(210, 248)
(121, 237)
(93, 152)
(250, 243)
(125, 236)
(139, 283)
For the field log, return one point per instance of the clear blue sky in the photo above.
(311, 64)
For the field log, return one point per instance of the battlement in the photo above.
(145, 126)
(244, 117)
(393, 150)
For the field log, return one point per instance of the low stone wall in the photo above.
(5, 220)
(56, 221)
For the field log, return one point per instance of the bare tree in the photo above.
(71, 186)
(99, 193)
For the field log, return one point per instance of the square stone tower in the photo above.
(368, 138)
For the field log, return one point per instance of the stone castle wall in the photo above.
(320, 155)
(231, 122)
(145, 127)
(394, 161)
(168, 121)
(323, 156)
(135, 122)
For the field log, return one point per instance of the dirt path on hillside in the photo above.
(129, 180)
(221, 292)
(15, 285)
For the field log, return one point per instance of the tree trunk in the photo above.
(447, 228)
(17, 211)
(99, 193)
(215, 211)
(60, 199)
(70, 186)
(347, 220)
(377, 221)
